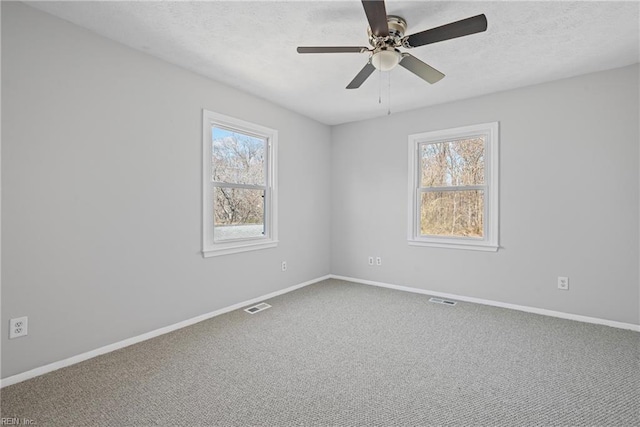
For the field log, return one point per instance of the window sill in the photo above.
(470, 246)
(227, 249)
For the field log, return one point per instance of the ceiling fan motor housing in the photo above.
(397, 27)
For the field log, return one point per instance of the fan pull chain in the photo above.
(379, 86)
(389, 97)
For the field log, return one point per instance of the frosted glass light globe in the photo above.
(386, 59)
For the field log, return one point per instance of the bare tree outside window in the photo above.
(239, 173)
(451, 204)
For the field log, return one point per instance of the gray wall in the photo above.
(568, 198)
(101, 188)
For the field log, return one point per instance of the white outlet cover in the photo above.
(563, 283)
(18, 327)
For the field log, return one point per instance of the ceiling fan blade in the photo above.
(377, 17)
(420, 69)
(362, 76)
(332, 49)
(465, 27)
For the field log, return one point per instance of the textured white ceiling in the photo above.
(252, 46)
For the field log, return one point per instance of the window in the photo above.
(239, 185)
(453, 188)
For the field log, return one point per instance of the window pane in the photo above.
(452, 213)
(237, 158)
(238, 213)
(452, 163)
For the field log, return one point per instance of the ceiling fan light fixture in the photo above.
(386, 59)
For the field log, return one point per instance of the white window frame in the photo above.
(489, 241)
(270, 239)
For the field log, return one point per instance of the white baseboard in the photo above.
(535, 310)
(134, 340)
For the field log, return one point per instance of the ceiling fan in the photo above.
(386, 35)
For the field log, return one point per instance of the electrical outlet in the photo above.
(563, 283)
(378, 261)
(18, 327)
(370, 260)
(284, 265)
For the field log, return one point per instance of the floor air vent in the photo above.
(442, 301)
(256, 308)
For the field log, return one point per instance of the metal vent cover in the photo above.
(442, 301)
(256, 308)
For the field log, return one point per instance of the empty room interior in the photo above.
(323, 213)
